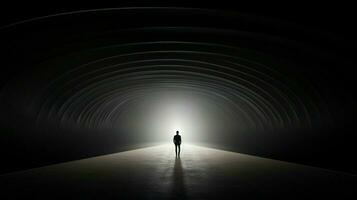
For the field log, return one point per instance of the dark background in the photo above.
(336, 17)
(334, 151)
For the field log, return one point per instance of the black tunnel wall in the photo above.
(323, 59)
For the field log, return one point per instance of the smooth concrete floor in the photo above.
(155, 173)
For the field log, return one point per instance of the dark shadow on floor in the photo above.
(178, 190)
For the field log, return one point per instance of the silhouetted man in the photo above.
(177, 142)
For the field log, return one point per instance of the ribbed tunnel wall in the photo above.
(87, 83)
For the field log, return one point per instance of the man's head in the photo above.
(177, 132)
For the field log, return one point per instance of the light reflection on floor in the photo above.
(155, 173)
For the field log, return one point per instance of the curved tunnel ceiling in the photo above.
(153, 70)
(95, 93)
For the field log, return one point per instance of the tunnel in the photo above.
(77, 85)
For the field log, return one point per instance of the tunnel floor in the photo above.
(155, 173)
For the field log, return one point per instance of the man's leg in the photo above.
(179, 147)
(176, 149)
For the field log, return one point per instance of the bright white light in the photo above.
(176, 113)
(160, 115)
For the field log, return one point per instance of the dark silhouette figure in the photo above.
(177, 142)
